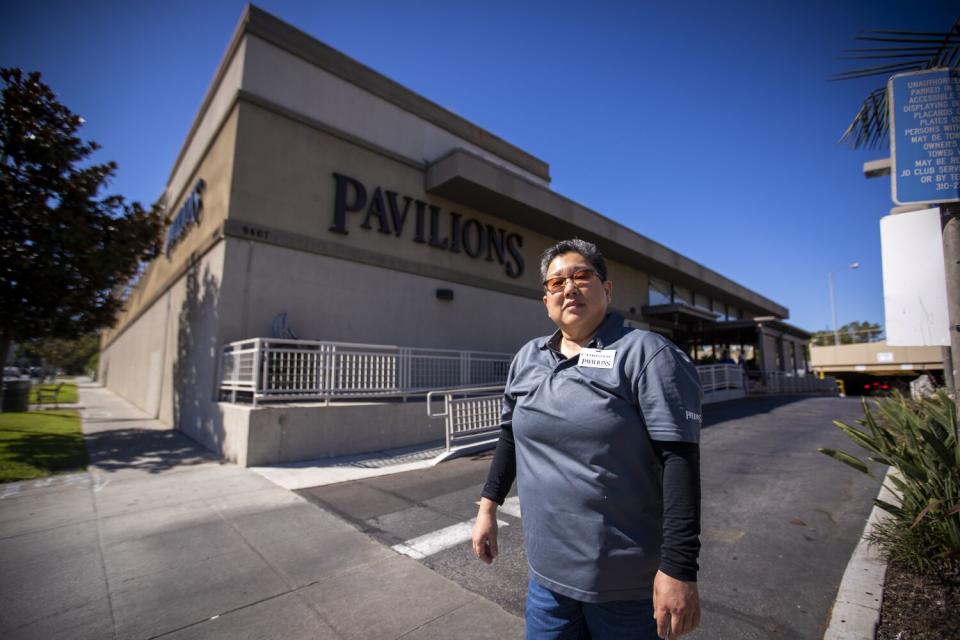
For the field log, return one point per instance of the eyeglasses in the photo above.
(580, 278)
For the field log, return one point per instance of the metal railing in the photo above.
(268, 369)
(264, 369)
(720, 377)
(470, 415)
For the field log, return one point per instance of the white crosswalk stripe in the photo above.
(511, 506)
(442, 539)
(437, 541)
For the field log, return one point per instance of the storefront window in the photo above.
(744, 355)
(702, 301)
(682, 294)
(706, 354)
(659, 292)
(720, 308)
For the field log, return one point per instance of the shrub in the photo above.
(918, 439)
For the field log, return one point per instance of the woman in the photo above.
(600, 425)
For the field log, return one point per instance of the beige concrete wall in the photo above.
(206, 127)
(331, 299)
(272, 434)
(298, 85)
(193, 349)
(291, 433)
(166, 362)
(216, 169)
(285, 187)
(135, 366)
(869, 354)
(284, 180)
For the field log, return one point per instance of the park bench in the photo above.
(53, 394)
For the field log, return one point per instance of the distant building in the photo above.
(870, 367)
(312, 185)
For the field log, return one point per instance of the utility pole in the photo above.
(950, 224)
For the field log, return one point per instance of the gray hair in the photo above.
(586, 249)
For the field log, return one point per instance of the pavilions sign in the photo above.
(388, 212)
(187, 216)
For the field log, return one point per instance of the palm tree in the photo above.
(901, 51)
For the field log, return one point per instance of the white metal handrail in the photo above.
(469, 414)
(263, 369)
(280, 369)
(720, 377)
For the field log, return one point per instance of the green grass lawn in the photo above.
(40, 443)
(68, 393)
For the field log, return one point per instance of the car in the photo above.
(877, 389)
(12, 372)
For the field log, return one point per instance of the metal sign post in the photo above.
(925, 156)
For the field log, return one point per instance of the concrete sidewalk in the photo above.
(159, 539)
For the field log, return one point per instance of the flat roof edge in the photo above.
(238, 33)
(464, 166)
(255, 21)
(301, 44)
(784, 326)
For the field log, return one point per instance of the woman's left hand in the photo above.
(676, 606)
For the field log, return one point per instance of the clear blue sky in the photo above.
(710, 127)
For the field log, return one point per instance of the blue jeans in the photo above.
(551, 616)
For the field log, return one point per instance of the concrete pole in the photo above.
(948, 379)
(950, 221)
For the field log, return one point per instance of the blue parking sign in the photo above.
(925, 136)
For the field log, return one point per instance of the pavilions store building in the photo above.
(334, 235)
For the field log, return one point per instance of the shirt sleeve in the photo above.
(669, 396)
(681, 509)
(503, 469)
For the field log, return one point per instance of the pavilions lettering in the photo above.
(188, 215)
(388, 211)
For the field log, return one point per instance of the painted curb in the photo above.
(856, 611)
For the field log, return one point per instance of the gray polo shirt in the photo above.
(587, 475)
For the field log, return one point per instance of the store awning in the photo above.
(679, 312)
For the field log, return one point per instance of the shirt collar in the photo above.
(608, 332)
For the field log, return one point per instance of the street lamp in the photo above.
(833, 302)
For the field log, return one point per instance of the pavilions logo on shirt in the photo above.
(388, 212)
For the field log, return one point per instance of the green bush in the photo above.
(918, 439)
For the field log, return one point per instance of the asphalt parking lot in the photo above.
(780, 520)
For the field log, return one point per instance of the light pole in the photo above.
(833, 302)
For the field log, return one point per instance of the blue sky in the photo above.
(710, 127)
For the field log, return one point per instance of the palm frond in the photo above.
(886, 56)
(870, 126)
